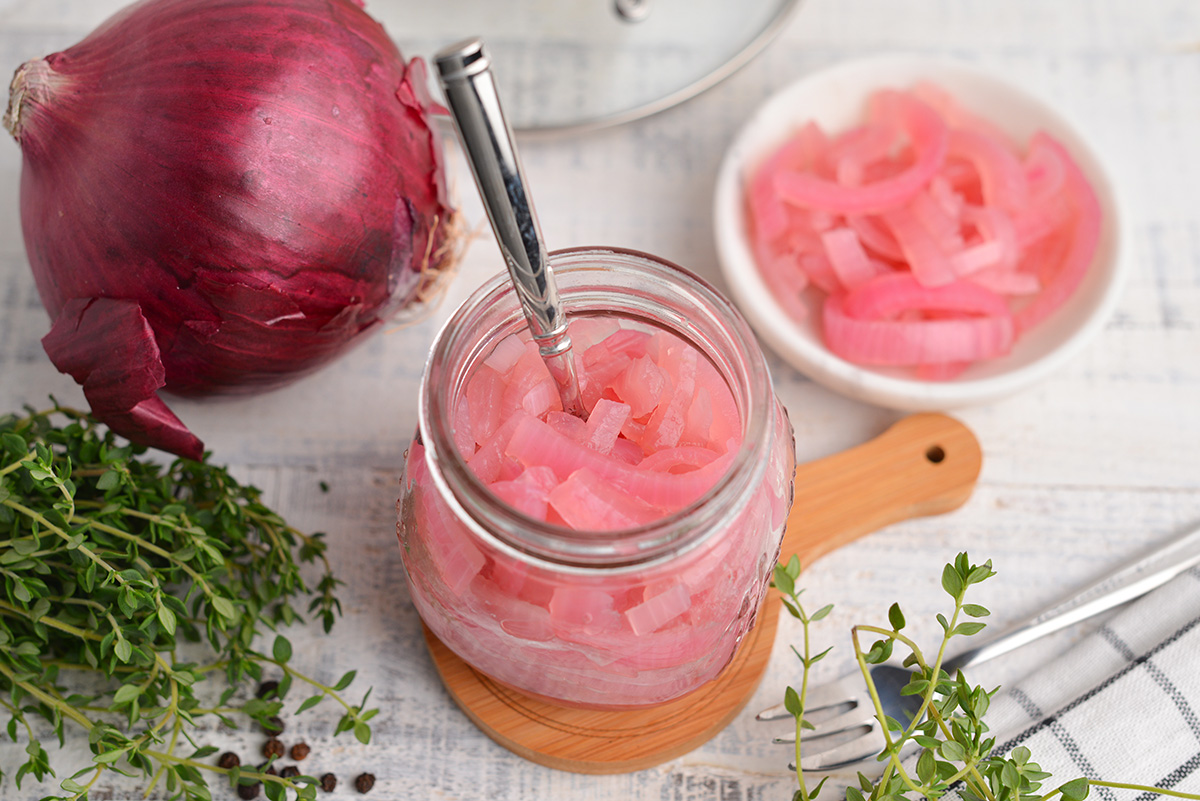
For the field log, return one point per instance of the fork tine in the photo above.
(856, 750)
(777, 712)
(843, 723)
(849, 689)
(832, 693)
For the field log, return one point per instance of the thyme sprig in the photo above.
(114, 572)
(794, 700)
(948, 734)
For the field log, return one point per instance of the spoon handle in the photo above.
(487, 139)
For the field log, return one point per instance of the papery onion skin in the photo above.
(259, 179)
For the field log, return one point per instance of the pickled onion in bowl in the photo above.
(916, 233)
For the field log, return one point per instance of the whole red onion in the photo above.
(221, 195)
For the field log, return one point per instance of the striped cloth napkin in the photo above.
(1123, 705)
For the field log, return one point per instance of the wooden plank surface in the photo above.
(1079, 473)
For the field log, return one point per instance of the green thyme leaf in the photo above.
(791, 702)
(1075, 790)
(952, 582)
(282, 649)
(967, 629)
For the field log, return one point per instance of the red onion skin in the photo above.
(257, 180)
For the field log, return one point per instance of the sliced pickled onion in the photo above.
(589, 503)
(908, 342)
(929, 137)
(1001, 176)
(659, 610)
(924, 254)
(875, 236)
(1084, 239)
(848, 257)
(799, 152)
(852, 152)
(1013, 283)
(604, 424)
(995, 228)
(685, 456)
(887, 296)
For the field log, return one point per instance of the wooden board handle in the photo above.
(925, 464)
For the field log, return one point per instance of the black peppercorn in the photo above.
(299, 751)
(248, 791)
(272, 748)
(364, 782)
(267, 688)
(289, 772)
(228, 760)
(273, 725)
(268, 769)
(328, 782)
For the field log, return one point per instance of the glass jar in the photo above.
(621, 618)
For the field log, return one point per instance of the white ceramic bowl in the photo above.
(835, 97)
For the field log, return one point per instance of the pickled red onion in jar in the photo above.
(681, 485)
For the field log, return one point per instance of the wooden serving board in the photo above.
(925, 464)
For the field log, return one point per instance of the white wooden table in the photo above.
(1080, 472)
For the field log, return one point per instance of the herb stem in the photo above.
(167, 757)
(893, 765)
(1142, 788)
(141, 542)
(311, 682)
(46, 698)
(83, 549)
(54, 623)
(803, 697)
(85, 789)
(16, 715)
(17, 465)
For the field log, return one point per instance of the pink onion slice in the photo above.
(1084, 239)
(875, 236)
(924, 254)
(851, 153)
(896, 342)
(929, 136)
(889, 295)
(685, 456)
(658, 610)
(1001, 175)
(799, 152)
(995, 229)
(589, 503)
(848, 257)
(604, 424)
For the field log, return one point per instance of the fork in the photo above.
(849, 731)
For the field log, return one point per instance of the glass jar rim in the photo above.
(459, 347)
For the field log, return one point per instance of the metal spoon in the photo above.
(487, 139)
